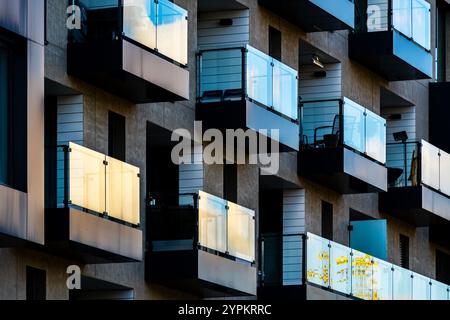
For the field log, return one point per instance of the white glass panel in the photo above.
(402, 284)
(421, 287)
(375, 136)
(259, 76)
(172, 31)
(382, 280)
(401, 16)
(122, 191)
(354, 125)
(430, 165)
(87, 178)
(139, 21)
(285, 90)
(445, 172)
(438, 290)
(241, 232)
(421, 23)
(212, 222)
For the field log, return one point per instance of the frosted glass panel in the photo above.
(122, 191)
(241, 232)
(87, 178)
(421, 287)
(382, 280)
(340, 268)
(285, 90)
(212, 222)
(430, 165)
(172, 31)
(401, 11)
(354, 125)
(421, 23)
(139, 21)
(318, 260)
(402, 284)
(438, 291)
(362, 275)
(375, 136)
(259, 76)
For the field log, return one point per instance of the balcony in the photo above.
(243, 88)
(394, 40)
(343, 146)
(292, 265)
(315, 15)
(134, 49)
(95, 216)
(202, 244)
(421, 194)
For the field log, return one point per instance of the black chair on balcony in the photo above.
(329, 140)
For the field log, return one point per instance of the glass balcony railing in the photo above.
(230, 74)
(357, 274)
(330, 123)
(159, 25)
(412, 18)
(100, 184)
(419, 163)
(223, 227)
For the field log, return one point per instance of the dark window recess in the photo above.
(404, 251)
(36, 284)
(440, 42)
(442, 267)
(13, 104)
(116, 136)
(275, 43)
(4, 115)
(230, 182)
(50, 116)
(327, 220)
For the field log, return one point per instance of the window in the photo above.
(442, 267)
(116, 136)
(404, 251)
(36, 284)
(230, 182)
(275, 43)
(327, 220)
(4, 115)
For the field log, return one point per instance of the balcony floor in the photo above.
(342, 170)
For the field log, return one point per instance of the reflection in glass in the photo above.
(362, 275)
(421, 23)
(382, 280)
(318, 260)
(241, 232)
(376, 136)
(401, 16)
(122, 191)
(421, 287)
(354, 125)
(285, 89)
(87, 178)
(139, 21)
(259, 77)
(402, 284)
(212, 222)
(340, 268)
(172, 31)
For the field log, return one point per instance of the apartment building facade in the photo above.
(357, 89)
